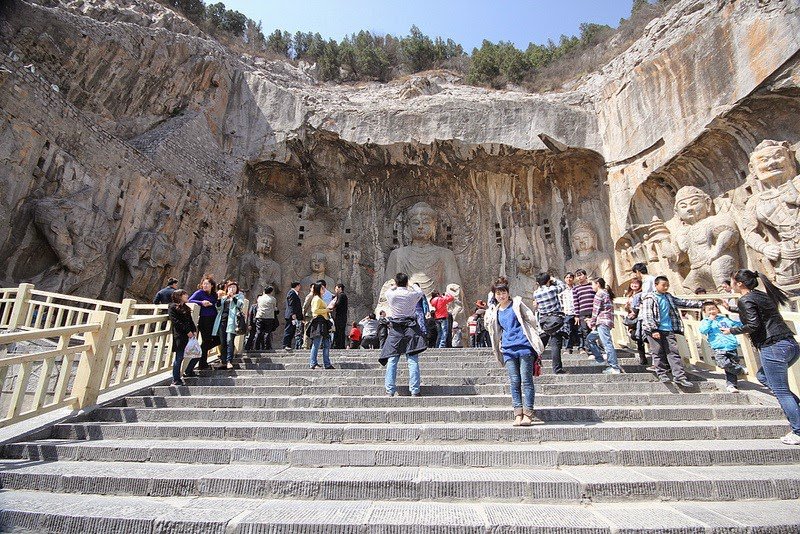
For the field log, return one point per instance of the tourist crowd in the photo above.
(574, 314)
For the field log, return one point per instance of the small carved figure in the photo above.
(771, 220)
(523, 283)
(319, 266)
(258, 270)
(586, 255)
(708, 239)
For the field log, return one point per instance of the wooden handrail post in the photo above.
(126, 309)
(21, 303)
(92, 364)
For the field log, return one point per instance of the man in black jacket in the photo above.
(339, 305)
(294, 311)
(164, 296)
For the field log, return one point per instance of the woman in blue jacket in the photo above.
(225, 325)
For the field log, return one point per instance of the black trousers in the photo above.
(370, 343)
(574, 339)
(339, 337)
(288, 333)
(207, 341)
(264, 328)
(583, 331)
(554, 341)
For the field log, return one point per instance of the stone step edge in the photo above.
(660, 407)
(550, 454)
(37, 510)
(569, 484)
(353, 433)
(741, 398)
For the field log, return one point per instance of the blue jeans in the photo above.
(325, 341)
(603, 334)
(774, 373)
(176, 365)
(442, 332)
(520, 375)
(413, 374)
(227, 347)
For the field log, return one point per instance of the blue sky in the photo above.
(467, 22)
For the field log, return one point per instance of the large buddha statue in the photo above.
(431, 266)
(586, 255)
(771, 220)
(708, 239)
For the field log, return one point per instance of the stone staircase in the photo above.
(272, 446)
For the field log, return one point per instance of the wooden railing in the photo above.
(695, 350)
(73, 349)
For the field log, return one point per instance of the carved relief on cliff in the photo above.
(700, 241)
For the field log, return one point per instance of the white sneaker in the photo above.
(791, 439)
(611, 371)
(595, 362)
(732, 389)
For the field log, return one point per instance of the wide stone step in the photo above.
(319, 376)
(429, 414)
(567, 484)
(353, 369)
(323, 402)
(433, 432)
(435, 361)
(24, 511)
(520, 454)
(443, 390)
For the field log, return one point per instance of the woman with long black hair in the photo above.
(762, 321)
(183, 329)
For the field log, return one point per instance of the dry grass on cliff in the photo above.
(568, 69)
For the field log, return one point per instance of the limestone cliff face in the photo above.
(139, 148)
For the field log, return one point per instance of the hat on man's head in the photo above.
(480, 304)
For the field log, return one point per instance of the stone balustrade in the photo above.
(67, 350)
(694, 348)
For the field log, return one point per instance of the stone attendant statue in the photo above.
(586, 256)
(709, 240)
(771, 219)
(319, 265)
(523, 284)
(258, 268)
(431, 266)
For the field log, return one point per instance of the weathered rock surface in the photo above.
(170, 139)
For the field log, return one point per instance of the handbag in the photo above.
(551, 324)
(537, 365)
(241, 323)
(192, 349)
